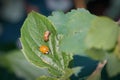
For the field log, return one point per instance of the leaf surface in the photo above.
(103, 34)
(72, 29)
(32, 33)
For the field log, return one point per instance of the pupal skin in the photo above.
(46, 36)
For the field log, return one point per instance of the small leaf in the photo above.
(113, 65)
(77, 70)
(102, 34)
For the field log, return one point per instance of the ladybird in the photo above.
(46, 35)
(44, 49)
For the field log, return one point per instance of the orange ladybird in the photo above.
(44, 49)
(46, 35)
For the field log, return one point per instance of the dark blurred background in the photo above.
(14, 12)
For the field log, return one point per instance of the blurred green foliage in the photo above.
(75, 33)
(16, 63)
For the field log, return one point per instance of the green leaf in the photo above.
(32, 33)
(77, 70)
(72, 29)
(15, 62)
(102, 34)
(113, 65)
